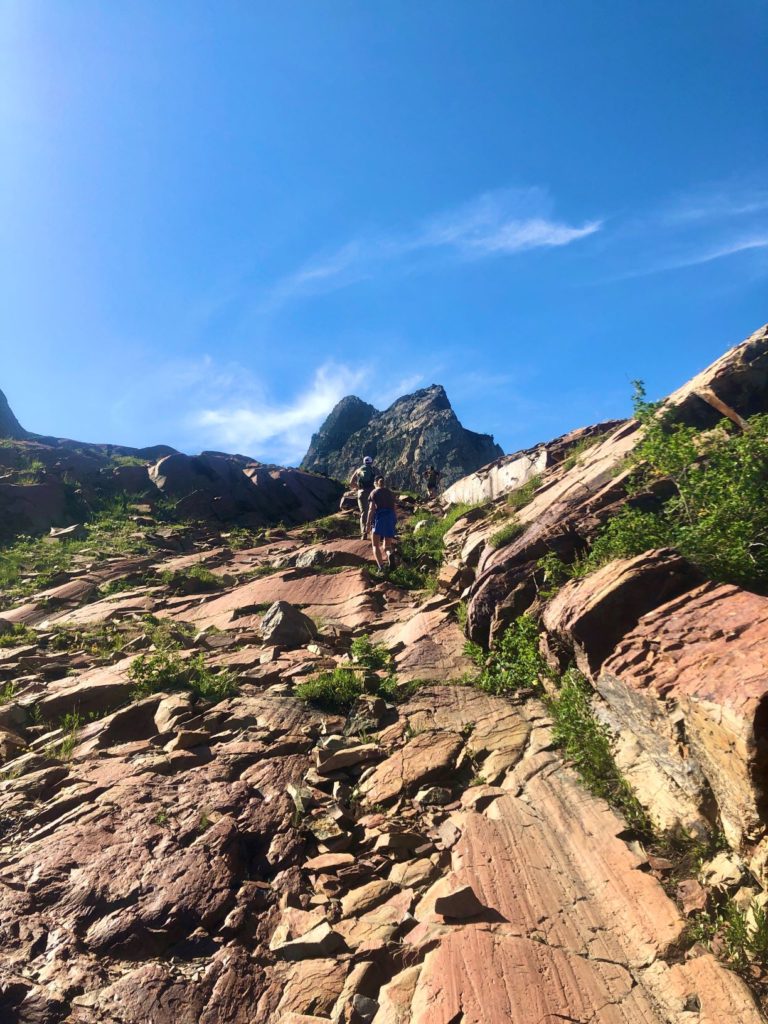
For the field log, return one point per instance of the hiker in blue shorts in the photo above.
(363, 479)
(382, 519)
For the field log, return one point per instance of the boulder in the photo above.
(284, 625)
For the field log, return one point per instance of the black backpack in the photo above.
(367, 476)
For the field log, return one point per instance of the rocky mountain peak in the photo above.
(417, 430)
(9, 425)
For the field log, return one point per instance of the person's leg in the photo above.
(362, 504)
(377, 553)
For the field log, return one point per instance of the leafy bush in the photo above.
(426, 545)
(740, 937)
(369, 655)
(718, 515)
(515, 662)
(522, 495)
(411, 578)
(336, 690)
(586, 743)
(7, 693)
(506, 534)
(128, 460)
(71, 724)
(166, 670)
(17, 636)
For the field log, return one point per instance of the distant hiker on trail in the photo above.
(382, 519)
(364, 478)
(432, 479)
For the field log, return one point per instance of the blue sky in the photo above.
(218, 219)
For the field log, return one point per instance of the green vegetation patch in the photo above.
(523, 495)
(506, 534)
(370, 655)
(514, 663)
(18, 636)
(717, 516)
(196, 579)
(167, 670)
(586, 743)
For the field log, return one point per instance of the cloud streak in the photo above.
(257, 424)
(499, 223)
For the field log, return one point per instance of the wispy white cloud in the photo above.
(259, 425)
(498, 223)
(705, 224)
(714, 202)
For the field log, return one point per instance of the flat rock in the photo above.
(319, 942)
(426, 758)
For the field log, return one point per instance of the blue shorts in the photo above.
(384, 523)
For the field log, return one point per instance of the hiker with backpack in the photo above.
(364, 478)
(432, 479)
(382, 521)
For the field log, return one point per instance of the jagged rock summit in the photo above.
(415, 431)
(9, 425)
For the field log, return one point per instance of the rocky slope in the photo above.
(215, 848)
(54, 482)
(415, 432)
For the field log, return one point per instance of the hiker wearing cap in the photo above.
(432, 479)
(364, 477)
(382, 520)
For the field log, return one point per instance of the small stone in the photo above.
(434, 796)
(692, 896)
(413, 873)
(186, 739)
(459, 904)
(722, 872)
(329, 862)
(391, 842)
(75, 532)
(320, 941)
(331, 761)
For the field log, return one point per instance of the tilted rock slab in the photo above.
(571, 929)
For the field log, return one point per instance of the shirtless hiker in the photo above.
(382, 519)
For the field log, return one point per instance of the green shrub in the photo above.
(586, 744)
(336, 690)
(71, 724)
(166, 670)
(239, 538)
(410, 577)
(7, 693)
(522, 495)
(739, 937)
(717, 516)
(369, 655)
(17, 636)
(128, 460)
(515, 662)
(426, 546)
(506, 534)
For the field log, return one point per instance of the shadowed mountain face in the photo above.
(9, 425)
(416, 431)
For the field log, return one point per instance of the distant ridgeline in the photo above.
(416, 431)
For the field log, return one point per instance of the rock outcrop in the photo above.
(415, 432)
(9, 425)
